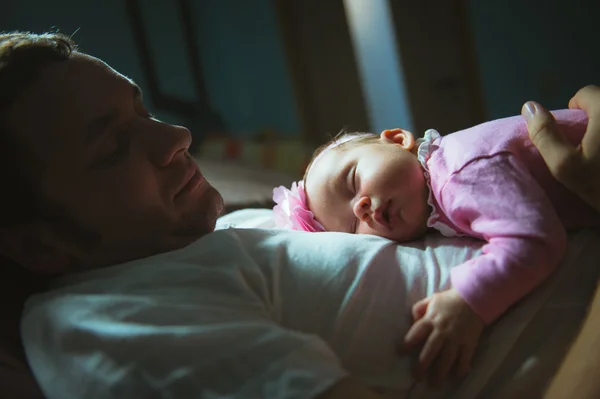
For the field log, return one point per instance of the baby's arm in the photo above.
(495, 199)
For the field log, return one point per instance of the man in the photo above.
(104, 182)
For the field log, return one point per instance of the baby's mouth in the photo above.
(385, 214)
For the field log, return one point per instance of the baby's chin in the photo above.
(415, 233)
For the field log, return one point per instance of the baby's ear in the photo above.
(403, 138)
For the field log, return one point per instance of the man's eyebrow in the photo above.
(99, 125)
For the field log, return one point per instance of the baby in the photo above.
(487, 182)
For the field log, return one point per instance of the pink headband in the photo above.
(291, 211)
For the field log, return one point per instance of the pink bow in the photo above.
(291, 211)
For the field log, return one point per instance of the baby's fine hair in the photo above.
(364, 139)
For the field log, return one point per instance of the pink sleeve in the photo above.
(497, 200)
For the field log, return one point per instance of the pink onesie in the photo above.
(489, 182)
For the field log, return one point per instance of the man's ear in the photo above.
(28, 249)
(403, 138)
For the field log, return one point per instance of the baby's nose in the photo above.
(362, 208)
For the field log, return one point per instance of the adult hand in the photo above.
(578, 168)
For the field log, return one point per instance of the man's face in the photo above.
(119, 176)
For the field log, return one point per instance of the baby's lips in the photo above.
(378, 217)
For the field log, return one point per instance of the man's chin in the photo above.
(218, 205)
(206, 214)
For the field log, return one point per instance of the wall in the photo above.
(535, 50)
(437, 55)
(323, 67)
(243, 57)
(245, 65)
(102, 30)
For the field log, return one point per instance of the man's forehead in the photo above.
(65, 96)
(80, 76)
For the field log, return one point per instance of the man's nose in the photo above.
(166, 141)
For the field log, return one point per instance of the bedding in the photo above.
(518, 354)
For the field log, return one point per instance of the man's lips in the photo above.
(192, 178)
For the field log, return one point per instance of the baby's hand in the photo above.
(450, 329)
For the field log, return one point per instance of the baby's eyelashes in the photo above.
(350, 181)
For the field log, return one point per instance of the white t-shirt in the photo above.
(238, 314)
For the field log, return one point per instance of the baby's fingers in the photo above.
(420, 308)
(444, 362)
(428, 354)
(463, 364)
(417, 333)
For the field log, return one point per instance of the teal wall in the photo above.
(535, 50)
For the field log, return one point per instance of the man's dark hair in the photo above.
(22, 56)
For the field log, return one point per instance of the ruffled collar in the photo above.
(426, 147)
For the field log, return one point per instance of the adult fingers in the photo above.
(557, 152)
(588, 99)
(585, 98)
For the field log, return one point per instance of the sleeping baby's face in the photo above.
(370, 188)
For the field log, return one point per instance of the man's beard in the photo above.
(89, 249)
(202, 221)
(68, 229)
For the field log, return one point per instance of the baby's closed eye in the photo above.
(351, 181)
